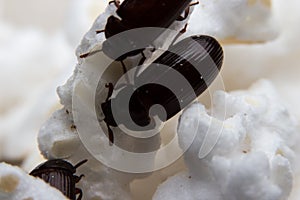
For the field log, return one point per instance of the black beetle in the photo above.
(60, 174)
(186, 58)
(137, 14)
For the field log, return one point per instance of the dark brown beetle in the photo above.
(198, 59)
(137, 14)
(60, 174)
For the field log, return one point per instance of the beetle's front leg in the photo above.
(116, 2)
(78, 191)
(78, 178)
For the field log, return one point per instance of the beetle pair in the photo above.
(60, 174)
(156, 13)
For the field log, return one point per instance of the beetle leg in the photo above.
(193, 4)
(187, 11)
(182, 31)
(78, 191)
(110, 87)
(99, 31)
(125, 71)
(116, 2)
(110, 135)
(89, 53)
(141, 62)
(78, 178)
(186, 14)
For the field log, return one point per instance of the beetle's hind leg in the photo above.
(187, 11)
(78, 191)
(116, 2)
(182, 31)
(110, 135)
(125, 71)
(138, 68)
(110, 87)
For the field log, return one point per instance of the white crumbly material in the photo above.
(58, 137)
(15, 184)
(253, 157)
(240, 20)
(90, 42)
(234, 20)
(32, 63)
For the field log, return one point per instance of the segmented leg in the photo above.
(110, 87)
(89, 53)
(110, 135)
(78, 191)
(78, 178)
(100, 31)
(141, 62)
(116, 2)
(182, 31)
(125, 71)
(186, 12)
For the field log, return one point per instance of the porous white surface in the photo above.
(31, 62)
(249, 61)
(253, 157)
(57, 138)
(235, 20)
(57, 129)
(91, 41)
(15, 184)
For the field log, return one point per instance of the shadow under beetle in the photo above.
(204, 52)
(60, 174)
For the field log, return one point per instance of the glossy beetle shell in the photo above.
(203, 51)
(145, 13)
(59, 174)
(137, 14)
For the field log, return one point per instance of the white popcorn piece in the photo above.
(235, 20)
(254, 156)
(79, 18)
(26, 101)
(15, 184)
(55, 136)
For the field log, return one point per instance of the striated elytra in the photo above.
(137, 14)
(60, 174)
(198, 59)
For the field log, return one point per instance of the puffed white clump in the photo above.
(235, 20)
(32, 64)
(57, 138)
(251, 159)
(15, 184)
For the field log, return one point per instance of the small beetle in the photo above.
(60, 174)
(137, 14)
(208, 60)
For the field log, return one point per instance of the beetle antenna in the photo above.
(193, 4)
(89, 53)
(100, 31)
(80, 163)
